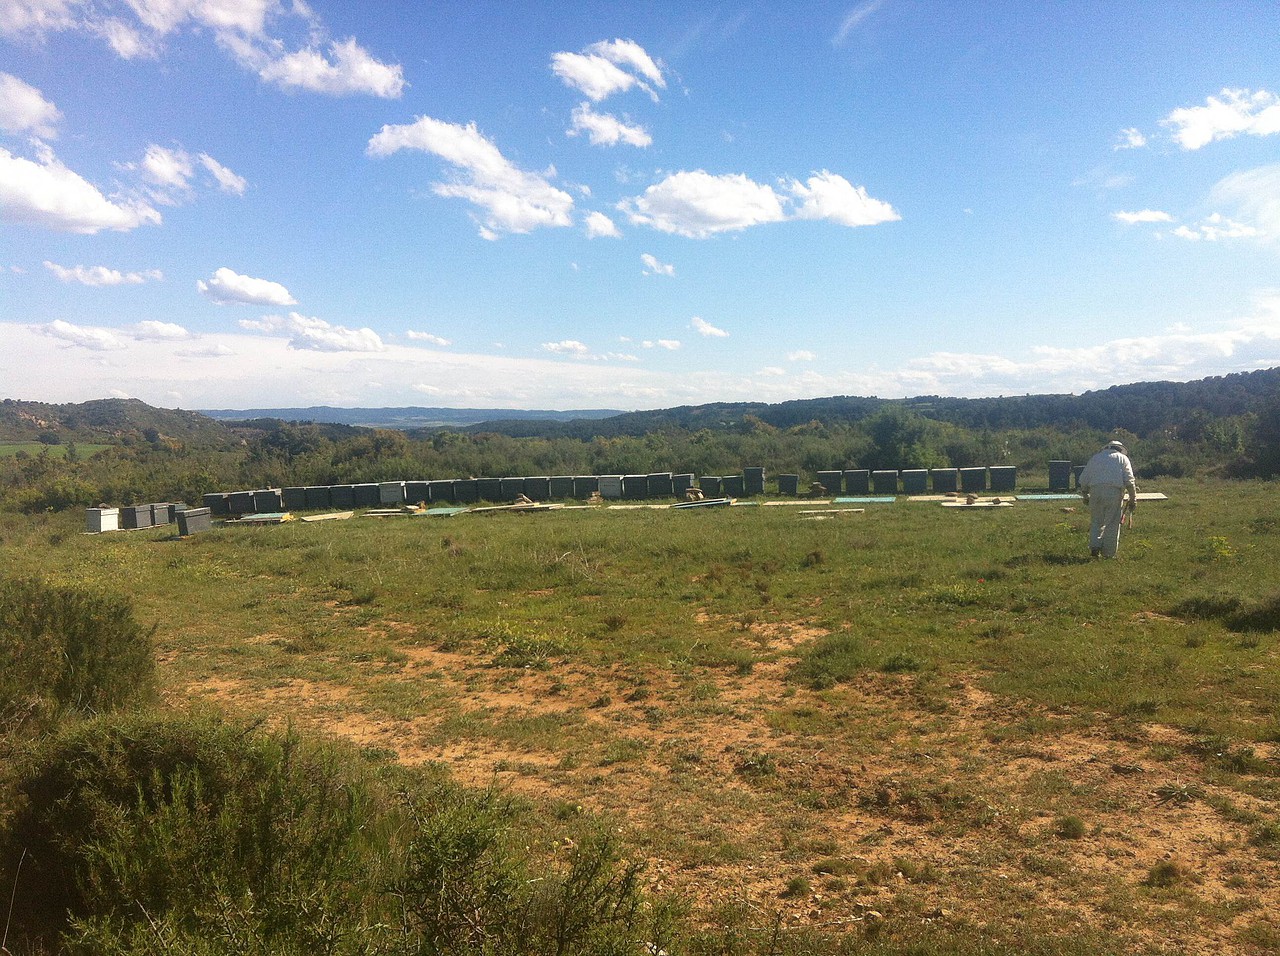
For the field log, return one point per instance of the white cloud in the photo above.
(349, 69)
(601, 226)
(671, 345)
(609, 67)
(428, 338)
(101, 275)
(231, 288)
(1230, 113)
(853, 19)
(311, 334)
(36, 16)
(46, 193)
(605, 129)
(216, 350)
(567, 347)
(1217, 227)
(1143, 215)
(828, 196)
(240, 27)
(1254, 195)
(151, 330)
(513, 200)
(85, 337)
(705, 328)
(652, 267)
(23, 109)
(171, 171)
(697, 204)
(1131, 138)
(227, 181)
(800, 355)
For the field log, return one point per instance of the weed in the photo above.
(1178, 793)
(1069, 827)
(797, 887)
(1166, 873)
(902, 662)
(834, 658)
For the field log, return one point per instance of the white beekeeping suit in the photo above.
(1104, 482)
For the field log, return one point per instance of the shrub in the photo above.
(834, 658)
(215, 828)
(65, 650)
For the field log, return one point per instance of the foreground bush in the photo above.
(195, 835)
(68, 651)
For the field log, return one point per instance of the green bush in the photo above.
(253, 842)
(831, 659)
(68, 651)
(196, 835)
(472, 885)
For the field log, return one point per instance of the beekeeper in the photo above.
(1104, 483)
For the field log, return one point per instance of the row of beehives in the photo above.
(472, 490)
(131, 517)
(750, 483)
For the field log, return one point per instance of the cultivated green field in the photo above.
(907, 726)
(33, 448)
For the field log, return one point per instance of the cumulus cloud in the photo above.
(242, 28)
(567, 347)
(1131, 138)
(652, 267)
(828, 196)
(609, 67)
(698, 205)
(670, 345)
(1215, 228)
(705, 328)
(101, 275)
(85, 337)
(151, 330)
(800, 355)
(348, 69)
(23, 109)
(1254, 196)
(171, 173)
(309, 333)
(1230, 113)
(605, 129)
(428, 338)
(511, 199)
(1143, 215)
(43, 192)
(230, 288)
(599, 226)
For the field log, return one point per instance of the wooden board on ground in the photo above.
(522, 506)
(331, 516)
(985, 503)
(267, 517)
(1152, 496)
(705, 503)
(873, 500)
(800, 501)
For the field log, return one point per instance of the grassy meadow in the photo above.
(907, 727)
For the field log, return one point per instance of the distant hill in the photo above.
(407, 417)
(1144, 408)
(106, 421)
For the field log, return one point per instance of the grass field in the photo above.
(33, 448)
(910, 722)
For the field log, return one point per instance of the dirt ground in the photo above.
(896, 797)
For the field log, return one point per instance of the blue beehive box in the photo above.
(789, 485)
(915, 481)
(973, 479)
(538, 488)
(857, 482)
(342, 497)
(1004, 477)
(831, 480)
(294, 499)
(317, 497)
(561, 487)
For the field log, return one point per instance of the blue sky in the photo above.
(257, 203)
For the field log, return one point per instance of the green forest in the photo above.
(118, 451)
